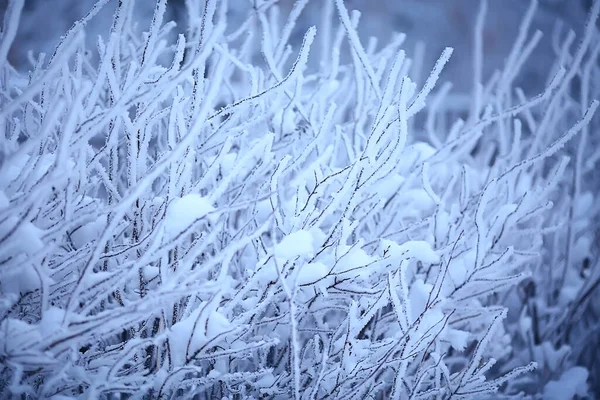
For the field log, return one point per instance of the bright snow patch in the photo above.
(184, 211)
(88, 232)
(285, 120)
(418, 249)
(299, 243)
(195, 331)
(312, 272)
(351, 262)
(571, 383)
(419, 294)
(25, 239)
(458, 339)
(19, 335)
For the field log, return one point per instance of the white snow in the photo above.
(299, 243)
(419, 293)
(225, 163)
(266, 272)
(388, 187)
(19, 335)
(351, 259)
(460, 266)
(326, 187)
(551, 357)
(51, 321)
(419, 249)
(571, 383)
(88, 232)
(207, 327)
(458, 339)
(184, 211)
(312, 272)
(415, 202)
(38, 167)
(23, 280)
(263, 211)
(26, 239)
(284, 119)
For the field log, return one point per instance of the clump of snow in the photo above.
(182, 212)
(328, 151)
(458, 339)
(51, 320)
(88, 232)
(353, 258)
(12, 169)
(550, 357)
(23, 280)
(285, 120)
(312, 272)
(191, 333)
(572, 383)
(266, 271)
(460, 267)
(39, 167)
(419, 294)
(27, 238)
(299, 243)
(18, 335)
(418, 249)
(24, 241)
(390, 186)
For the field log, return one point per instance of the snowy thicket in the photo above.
(214, 217)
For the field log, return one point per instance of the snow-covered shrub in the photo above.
(557, 308)
(214, 217)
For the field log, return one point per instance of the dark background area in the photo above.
(434, 24)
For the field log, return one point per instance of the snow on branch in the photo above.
(183, 219)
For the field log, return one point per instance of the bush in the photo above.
(184, 219)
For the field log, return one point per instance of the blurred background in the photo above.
(430, 25)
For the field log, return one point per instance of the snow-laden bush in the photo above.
(215, 217)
